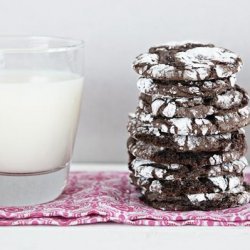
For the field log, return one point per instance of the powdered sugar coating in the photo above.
(155, 186)
(231, 121)
(201, 56)
(145, 84)
(169, 110)
(160, 136)
(218, 184)
(203, 124)
(228, 99)
(232, 79)
(196, 198)
(142, 150)
(184, 89)
(146, 59)
(243, 197)
(192, 63)
(180, 126)
(194, 107)
(215, 160)
(144, 168)
(155, 105)
(161, 71)
(244, 111)
(152, 170)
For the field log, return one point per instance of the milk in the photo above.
(39, 113)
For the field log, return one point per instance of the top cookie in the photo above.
(187, 61)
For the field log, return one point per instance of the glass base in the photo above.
(32, 189)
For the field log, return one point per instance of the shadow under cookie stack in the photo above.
(186, 146)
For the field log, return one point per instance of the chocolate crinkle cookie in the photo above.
(187, 61)
(186, 140)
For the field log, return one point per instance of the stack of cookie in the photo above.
(186, 142)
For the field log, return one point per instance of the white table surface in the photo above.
(119, 237)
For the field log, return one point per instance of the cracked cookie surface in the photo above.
(188, 61)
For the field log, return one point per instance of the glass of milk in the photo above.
(41, 81)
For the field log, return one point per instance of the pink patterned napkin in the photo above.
(92, 197)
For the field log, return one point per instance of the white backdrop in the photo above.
(116, 31)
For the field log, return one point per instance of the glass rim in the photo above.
(64, 44)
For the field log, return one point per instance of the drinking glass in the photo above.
(41, 81)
